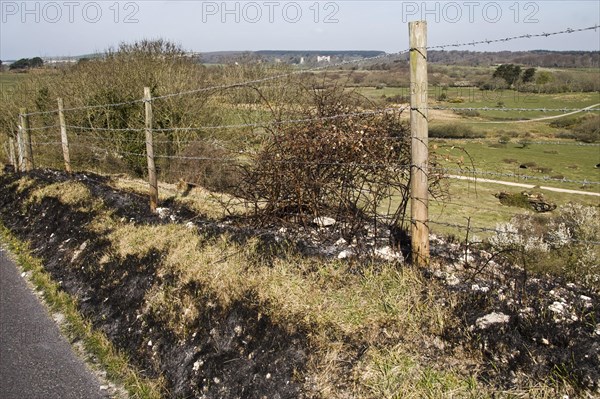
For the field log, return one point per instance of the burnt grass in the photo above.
(536, 344)
(263, 361)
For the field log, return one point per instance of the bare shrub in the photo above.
(454, 131)
(118, 79)
(565, 244)
(589, 130)
(353, 169)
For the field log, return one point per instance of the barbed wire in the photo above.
(143, 141)
(307, 120)
(33, 129)
(443, 170)
(511, 38)
(212, 140)
(489, 141)
(85, 107)
(504, 109)
(34, 143)
(220, 142)
(248, 125)
(475, 172)
(339, 64)
(237, 160)
(224, 86)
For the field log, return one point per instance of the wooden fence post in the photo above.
(27, 153)
(419, 143)
(20, 149)
(63, 135)
(11, 153)
(150, 152)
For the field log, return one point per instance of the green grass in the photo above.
(475, 98)
(472, 97)
(571, 162)
(376, 94)
(477, 202)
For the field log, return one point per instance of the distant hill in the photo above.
(535, 58)
(288, 56)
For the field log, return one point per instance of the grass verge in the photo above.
(373, 330)
(76, 328)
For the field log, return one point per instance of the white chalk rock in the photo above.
(387, 253)
(341, 242)
(490, 319)
(345, 254)
(557, 307)
(452, 280)
(163, 213)
(324, 221)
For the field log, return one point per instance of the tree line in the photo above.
(26, 63)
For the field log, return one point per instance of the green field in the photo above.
(472, 97)
(547, 163)
(476, 201)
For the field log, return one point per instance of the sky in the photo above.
(71, 28)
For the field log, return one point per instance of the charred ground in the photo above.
(550, 334)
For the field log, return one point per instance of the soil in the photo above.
(543, 328)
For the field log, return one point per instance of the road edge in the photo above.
(111, 367)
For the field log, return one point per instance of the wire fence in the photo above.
(315, 69)
(125, 143)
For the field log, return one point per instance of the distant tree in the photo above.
(36, 62)
(26, 63)
(509, 72)
(543, 78)
(528, 75)
(23, 63)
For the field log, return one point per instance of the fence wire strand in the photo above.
(47, 140)
(335, 65)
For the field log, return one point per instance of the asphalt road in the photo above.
(36, 362)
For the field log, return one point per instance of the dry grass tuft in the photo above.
(198, 199)
(23, 184)
(392, 373)
(72, 193)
